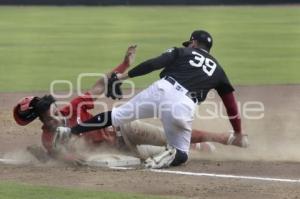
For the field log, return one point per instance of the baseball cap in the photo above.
(200, 36)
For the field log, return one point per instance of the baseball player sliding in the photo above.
(44, 108)
(133, 134)
(188, 75)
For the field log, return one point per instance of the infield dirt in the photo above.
(273, 152)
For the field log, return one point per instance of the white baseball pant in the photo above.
(167, 102)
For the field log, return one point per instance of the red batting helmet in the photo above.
(24, 111)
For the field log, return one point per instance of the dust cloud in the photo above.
(274, 137)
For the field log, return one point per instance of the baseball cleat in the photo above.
(161, 160)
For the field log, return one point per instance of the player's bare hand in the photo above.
(238, 139)
(130, 55)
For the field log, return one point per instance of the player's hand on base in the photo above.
(238, 139)
(130, 55)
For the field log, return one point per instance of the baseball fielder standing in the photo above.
(188, 75)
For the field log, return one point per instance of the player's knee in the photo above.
(180, 158)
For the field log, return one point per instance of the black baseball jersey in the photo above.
(193, 68)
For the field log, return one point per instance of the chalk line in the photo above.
(214, 175)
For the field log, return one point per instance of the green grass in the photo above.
(255, 45)
(21, 191)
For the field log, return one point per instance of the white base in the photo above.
(101, 160)
(112, 160)
(12, 161)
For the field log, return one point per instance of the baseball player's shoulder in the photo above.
(174, 51)
(189, 51)
(170, 50)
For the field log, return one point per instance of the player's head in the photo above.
(29, 108)
(199, 38)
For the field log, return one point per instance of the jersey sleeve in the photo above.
(231, 106)
(154, 64)
(224, 86)
(83, 102)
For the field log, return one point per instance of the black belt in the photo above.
(173, 81)
(170, 79)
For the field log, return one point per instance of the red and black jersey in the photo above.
(76, 112)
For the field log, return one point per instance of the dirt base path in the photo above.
(274, 152)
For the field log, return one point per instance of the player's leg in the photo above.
(177, 123)
(144, 139)
(139, 132)
(143, 105)
(202, 140)
(222, 138)
(142, 133)
(204, 136)
(178, 134)
(176, 113)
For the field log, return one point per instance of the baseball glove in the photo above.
(114, 87)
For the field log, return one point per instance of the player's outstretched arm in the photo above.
(128, 60)
(237, 138)
(199, 136)
(230, 104)
(115, 81)
(151, 64)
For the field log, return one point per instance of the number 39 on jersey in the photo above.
(208, 65)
